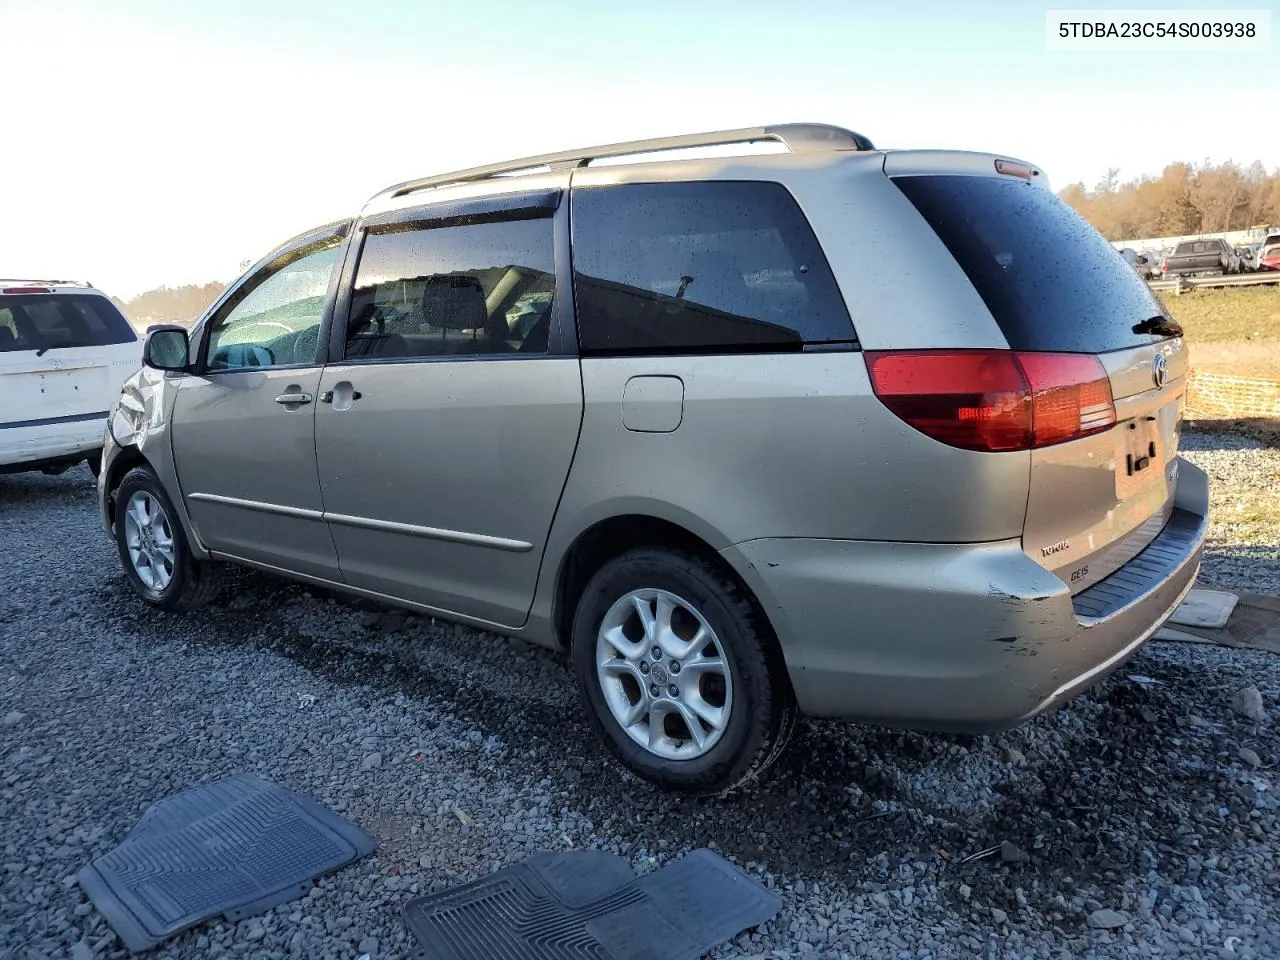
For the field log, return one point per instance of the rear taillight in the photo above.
(26, 290)
(994, 400)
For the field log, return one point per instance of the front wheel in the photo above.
(682, 679)
(153, 547)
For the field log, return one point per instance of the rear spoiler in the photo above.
(916, 163)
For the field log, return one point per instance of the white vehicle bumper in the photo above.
(50, 440)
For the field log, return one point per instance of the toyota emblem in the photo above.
(1159, 370)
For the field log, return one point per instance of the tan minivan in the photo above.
(700, 423)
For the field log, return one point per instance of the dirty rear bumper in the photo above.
(971, 637)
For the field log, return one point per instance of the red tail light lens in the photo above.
(26, 290)
(973, 399)
(1070, 396)
(994, 400)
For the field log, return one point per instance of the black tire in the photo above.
(763, 711)
(194, 582)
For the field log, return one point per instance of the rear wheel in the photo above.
(681, 676)
(153, 547)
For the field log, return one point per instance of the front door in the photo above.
(244, 422)
(446, 431)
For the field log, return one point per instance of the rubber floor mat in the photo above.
(588, 905)
(235, 847)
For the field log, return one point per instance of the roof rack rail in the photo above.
(796, 137)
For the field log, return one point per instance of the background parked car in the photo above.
(1269, 255)
(65, 349)
(1248, 256)
(1202, 256)
(1142, 264)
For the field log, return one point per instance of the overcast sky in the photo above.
(156, 141)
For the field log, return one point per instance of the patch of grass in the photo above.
(1244, 314)
(1245, 515)
(1233, 332)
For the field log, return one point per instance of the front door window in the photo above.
(276, 322)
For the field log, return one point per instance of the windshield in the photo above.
(42, 321)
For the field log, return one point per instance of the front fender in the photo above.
(138, 427)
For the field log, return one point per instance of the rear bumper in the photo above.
(972, 637)
(28, 448)
(1214, 269)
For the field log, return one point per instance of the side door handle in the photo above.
(294, 398)
(341, 396)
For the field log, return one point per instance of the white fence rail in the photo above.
(1178, 284)
(1213, 396)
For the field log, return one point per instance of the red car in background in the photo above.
(1269, 255)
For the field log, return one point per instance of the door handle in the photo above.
(327, 396)
(296, 398)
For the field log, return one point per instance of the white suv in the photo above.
(65, 349)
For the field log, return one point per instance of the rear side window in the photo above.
(1049, 279)
(480, 289)
(50, 321)
(700, 268)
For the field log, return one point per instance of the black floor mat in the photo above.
(587, 905)
(235, 847)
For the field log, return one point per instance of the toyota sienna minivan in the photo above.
(695, 421)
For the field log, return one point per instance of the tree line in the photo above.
(1184, 199)
(182, 304)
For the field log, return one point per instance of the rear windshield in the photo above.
(1050, 279)
(44, 321)
(1197, 246)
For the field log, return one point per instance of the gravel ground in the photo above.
(1133, 822)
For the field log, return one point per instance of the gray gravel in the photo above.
(1133, 823)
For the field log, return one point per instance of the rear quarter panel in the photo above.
(792, 445)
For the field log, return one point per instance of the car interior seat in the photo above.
(453, 303)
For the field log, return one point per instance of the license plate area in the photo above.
(77, 390)
(1140, 459)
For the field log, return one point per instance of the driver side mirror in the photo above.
(167, 348)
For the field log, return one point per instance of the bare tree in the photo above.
(182, 305)
(1184, 199)
(1216, 191)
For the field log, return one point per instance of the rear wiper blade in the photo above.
(59, 346)
(1161, 325)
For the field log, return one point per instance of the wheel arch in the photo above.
(613, 536)
(125, 459)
